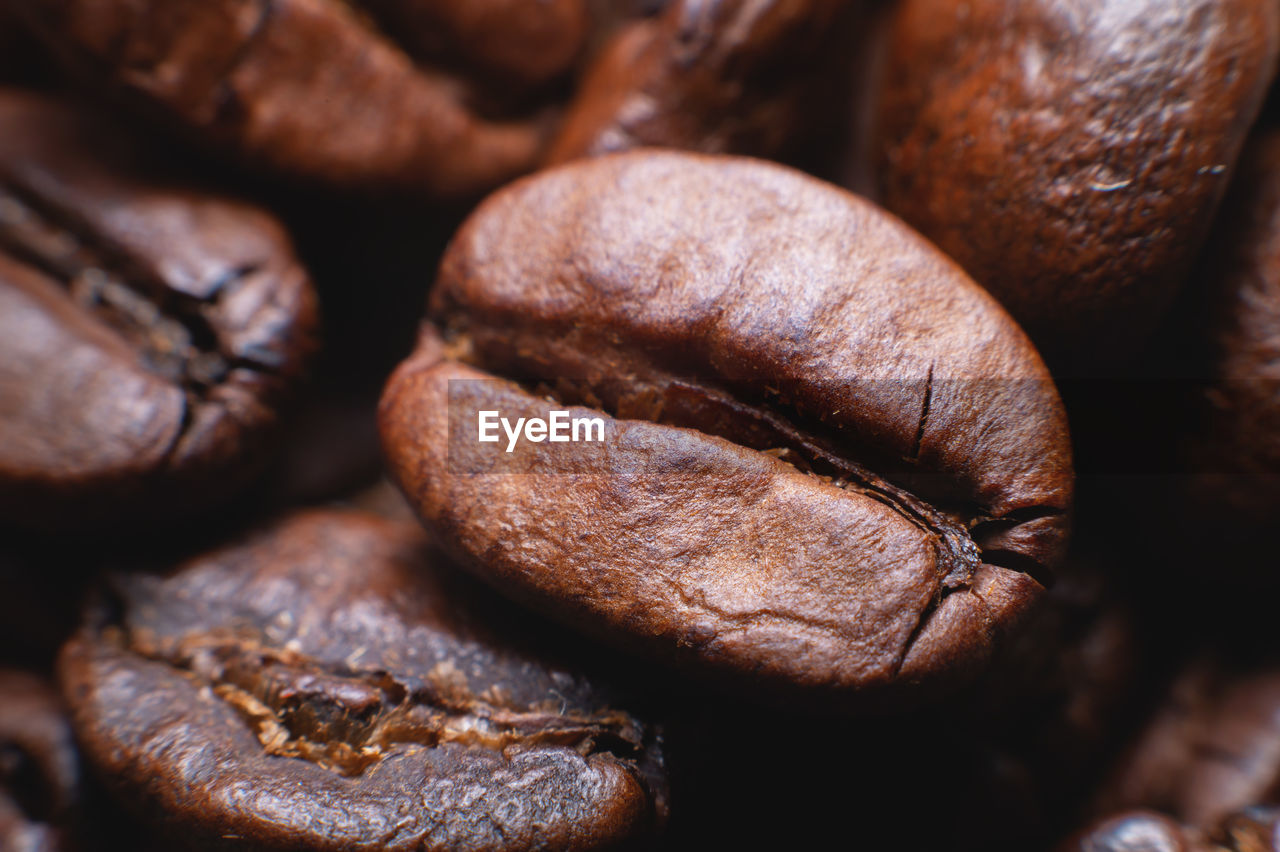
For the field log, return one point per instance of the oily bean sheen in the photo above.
(830, 461)
(311, 88)
(39, 768)
(1070, 155)
(325, 685)
(707, 75)
(147, 332)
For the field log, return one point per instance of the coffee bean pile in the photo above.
(660, 424)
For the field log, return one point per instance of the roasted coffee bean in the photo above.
(1070, 155)
(707, 75)
(829, 461)
(327, 684)
(40, 783)
(148, 332)
(1211, 749)
(309, 88)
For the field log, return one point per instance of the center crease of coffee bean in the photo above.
(176, 340)
(348, 720)
(673, 401)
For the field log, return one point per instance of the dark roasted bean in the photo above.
(311, 88)
(326, 684)
(707, 75)
(830, 462)
(1070, 155)
(148, 333)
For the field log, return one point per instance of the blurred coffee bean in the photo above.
(150, 331)
(717, 76)
(40, 784)
(1070, 156)
(327, 682)
(514, 42)
(1212, 747)
(312, 89)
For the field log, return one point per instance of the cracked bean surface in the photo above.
(831, 462)
(150, 331)
(326, 684)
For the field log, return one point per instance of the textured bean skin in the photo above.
(714, 76)
(324, 685)
(716, 308)
(150, 332)
(304, 87)
(1070, 155)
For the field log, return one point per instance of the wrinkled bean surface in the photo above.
(148, 332)
(831, 461)
(324, 683)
